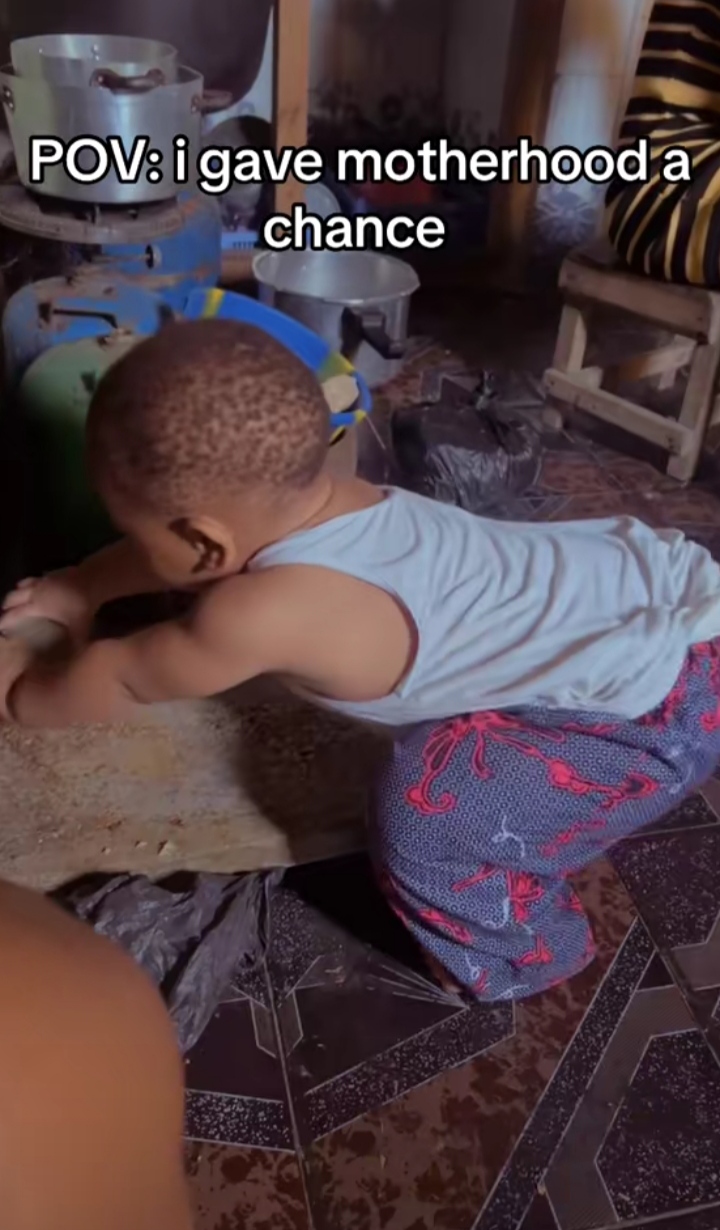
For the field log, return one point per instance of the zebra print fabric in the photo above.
(665, 230)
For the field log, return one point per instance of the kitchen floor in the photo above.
(339, 1088)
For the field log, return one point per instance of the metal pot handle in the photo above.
(371, 327)
(212, 100)
(107, 79)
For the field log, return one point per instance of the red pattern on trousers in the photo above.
(535, 796)
(506, 730)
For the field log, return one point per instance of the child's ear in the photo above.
(211, 543)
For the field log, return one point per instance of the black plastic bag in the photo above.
(190, 934)
(463, 450)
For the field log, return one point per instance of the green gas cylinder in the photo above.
(68, 519)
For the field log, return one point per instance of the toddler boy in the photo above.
(552, 688)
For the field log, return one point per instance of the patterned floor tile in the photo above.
(631, 474)
(695, 812)
(689, 506)
(642, 1142)
(711, 793)
(582, 1194)
(657, 974)
(674, 880)
(361, 1020)
(540, 1215)
(242, 1189)
(661, 1153)
(705, 1219)
(712, 1034)
(545, 1154)
(575, 475)
(606, 443)
(231, 1100)
(434, 1155)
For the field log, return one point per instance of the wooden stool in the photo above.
(592, 277)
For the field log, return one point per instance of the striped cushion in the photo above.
(672, 231)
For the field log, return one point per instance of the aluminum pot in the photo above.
(358, 302)
(224, 39)
(75, 59)
(160, 112)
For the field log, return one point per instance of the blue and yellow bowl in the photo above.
(306, 345)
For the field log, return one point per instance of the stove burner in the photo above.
(69, 222)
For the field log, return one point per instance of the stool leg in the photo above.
(572, 339)
(696, 409)
(666, 379)
(569, 356)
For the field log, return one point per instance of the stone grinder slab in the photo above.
(247, 780)
(244, 781)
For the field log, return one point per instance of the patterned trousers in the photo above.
(478, 821)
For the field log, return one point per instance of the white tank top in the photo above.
(584, 615)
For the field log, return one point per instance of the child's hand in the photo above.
(57, 597)
(15, 658)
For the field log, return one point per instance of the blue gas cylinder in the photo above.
(90, 304)
(172, 266)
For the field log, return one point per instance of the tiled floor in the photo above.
(339, 1088)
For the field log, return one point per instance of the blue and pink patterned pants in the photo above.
(478, 822)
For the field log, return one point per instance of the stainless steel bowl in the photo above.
(358, 302)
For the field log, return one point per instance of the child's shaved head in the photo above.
(206, 409)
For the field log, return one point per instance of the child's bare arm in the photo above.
(74, 596)
(333, 635)
(228, 640)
